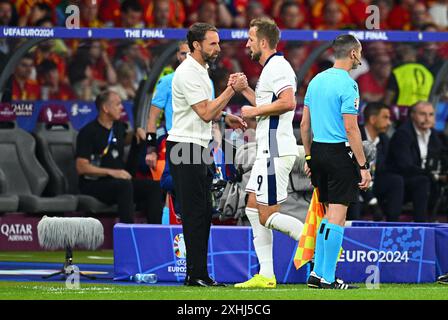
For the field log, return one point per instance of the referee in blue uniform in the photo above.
(334, 154)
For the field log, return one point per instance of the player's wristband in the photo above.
(151, 139)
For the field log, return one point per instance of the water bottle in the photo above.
(144, 278)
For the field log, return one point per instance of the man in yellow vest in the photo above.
(410, 81)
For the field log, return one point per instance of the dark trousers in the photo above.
(417, 190)
(389, 190)
(192, 185)
(126, 193)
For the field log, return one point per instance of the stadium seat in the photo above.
(24, 175)
(8, 202)
(56, 140)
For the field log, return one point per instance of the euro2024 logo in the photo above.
(179, 246)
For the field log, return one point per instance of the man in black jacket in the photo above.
(388, 187)
(414, 146)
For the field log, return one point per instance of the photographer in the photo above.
(413, 148)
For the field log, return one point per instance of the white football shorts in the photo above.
(270, 181)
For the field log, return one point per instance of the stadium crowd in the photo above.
(81, 69)
(84, 68)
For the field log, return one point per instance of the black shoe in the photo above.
(338, 285)
(443, 279)
(313, 282)
(197, 282)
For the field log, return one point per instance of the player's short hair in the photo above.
(344, 44)
(197, 33)
(266, 29)
(373, 109)
(102, 98)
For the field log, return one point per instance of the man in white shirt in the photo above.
(190, 159)
(414, 152)
(272, 104)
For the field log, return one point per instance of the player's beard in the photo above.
(255, 55)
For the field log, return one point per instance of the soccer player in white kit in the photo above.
(273, 105)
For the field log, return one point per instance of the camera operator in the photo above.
(413, 148)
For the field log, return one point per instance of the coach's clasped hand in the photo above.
(238, 81)
(235, 122)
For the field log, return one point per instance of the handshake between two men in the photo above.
(238, 82)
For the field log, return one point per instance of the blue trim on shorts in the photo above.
(272, 183)
(273, 150)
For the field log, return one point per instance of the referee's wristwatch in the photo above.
(151, 140)
(366, 166)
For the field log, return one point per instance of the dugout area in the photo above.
(410, 254)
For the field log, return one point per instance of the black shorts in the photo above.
(334, 172)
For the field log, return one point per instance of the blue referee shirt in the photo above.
(330, 94)
(163, 98)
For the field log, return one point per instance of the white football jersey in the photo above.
(274, 134)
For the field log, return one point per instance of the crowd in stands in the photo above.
(300, 14)
(86, 67)
(80, 69)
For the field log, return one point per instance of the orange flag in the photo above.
(307, 242)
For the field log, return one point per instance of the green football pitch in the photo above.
(95, 257)
(52, 291)
(56, 290)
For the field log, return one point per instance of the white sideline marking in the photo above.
(99, 258)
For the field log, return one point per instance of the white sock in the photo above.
(262, 243)
(286, 224)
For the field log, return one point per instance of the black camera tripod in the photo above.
(67, 268)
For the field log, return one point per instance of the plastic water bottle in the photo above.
(144, 278)
(166, 216)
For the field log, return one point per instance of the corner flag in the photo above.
(307, 242)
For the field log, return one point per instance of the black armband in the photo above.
(151, 139)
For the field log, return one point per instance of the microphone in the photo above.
(359, 61)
